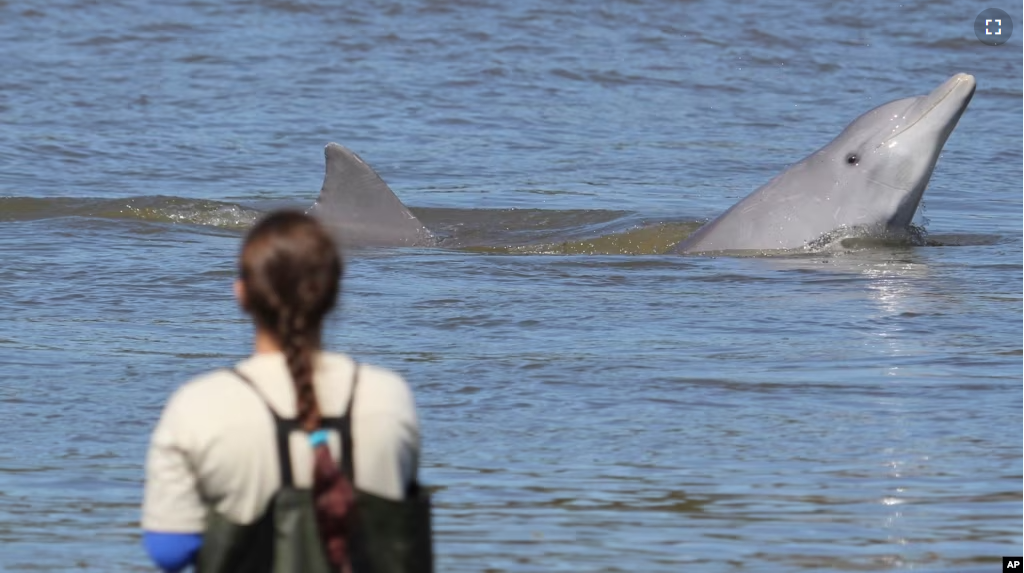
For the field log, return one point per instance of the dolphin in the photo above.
(360, 209)
(868, 180)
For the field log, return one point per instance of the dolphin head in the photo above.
(882, 162)
(871, 177)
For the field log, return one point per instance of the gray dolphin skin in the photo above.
(869, 179)
(361, 209)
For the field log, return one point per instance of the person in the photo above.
(214, 471)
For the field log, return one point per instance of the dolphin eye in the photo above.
(852, 159)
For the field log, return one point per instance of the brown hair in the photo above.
(290, 271)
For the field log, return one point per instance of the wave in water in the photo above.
(158, 209)
(492, 231)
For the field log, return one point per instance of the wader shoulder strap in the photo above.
(343, 426)
(283, 428)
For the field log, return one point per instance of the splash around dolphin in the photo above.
(869, 180)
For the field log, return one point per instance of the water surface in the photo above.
(588, 403)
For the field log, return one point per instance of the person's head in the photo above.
(289, 275)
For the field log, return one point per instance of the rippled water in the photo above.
(587, 402)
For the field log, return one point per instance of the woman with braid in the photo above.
(246, 469)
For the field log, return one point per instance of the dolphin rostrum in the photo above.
(869, 179)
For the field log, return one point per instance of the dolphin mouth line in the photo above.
(900, 189)
(925, 113)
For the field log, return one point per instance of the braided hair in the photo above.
(290, 271)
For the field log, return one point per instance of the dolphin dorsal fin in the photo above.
(356, 203)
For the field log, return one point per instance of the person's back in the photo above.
(215, 479)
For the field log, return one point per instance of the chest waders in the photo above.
(390, 536)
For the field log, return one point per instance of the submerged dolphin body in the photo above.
(869, 179)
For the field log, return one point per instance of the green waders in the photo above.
(390, 536)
